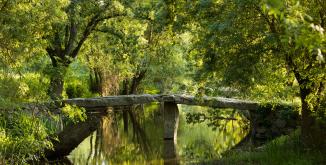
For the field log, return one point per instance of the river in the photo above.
(197, 141)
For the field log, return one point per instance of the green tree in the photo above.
(23, 29)
(301, 40)
(67, 37)
(253, 45)
(139, 48)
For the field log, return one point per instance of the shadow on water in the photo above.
(142, 142)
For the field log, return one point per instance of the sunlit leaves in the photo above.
(74, 113)
(24, 24)
(320, 56)
(22, 136)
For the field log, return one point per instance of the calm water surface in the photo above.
(143, 142)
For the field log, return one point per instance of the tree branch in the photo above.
(4, 5)
(89, 28)
(322, 19)
(72, 37)
(51, 53)
(111, 31)
(57, 45)
(271, 23)
(67, 35)
(140, 75)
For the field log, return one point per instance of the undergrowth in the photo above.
(285, 150)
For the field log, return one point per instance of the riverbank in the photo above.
(284, 150)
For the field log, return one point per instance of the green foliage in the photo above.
(139, 146)
(216, 118)
(283, 150)
(257, 49)
(247, 51)
(199, 149)
(16, 88)
(204, 139)
(74, 114)
(10, 84)
(263, 49)
(23, 28)
(132, 45)
(304, 44)
(23, 137)
(76, 90)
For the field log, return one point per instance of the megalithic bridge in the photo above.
(171, 116)
(215, 102)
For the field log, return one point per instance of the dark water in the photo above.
(143, 142)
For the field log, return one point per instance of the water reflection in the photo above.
(143, 142)
(208, 137)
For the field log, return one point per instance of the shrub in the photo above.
(23, 137)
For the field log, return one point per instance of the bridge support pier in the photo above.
(171, 122)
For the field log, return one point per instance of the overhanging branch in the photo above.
(89, 28)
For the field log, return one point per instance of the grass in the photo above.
(285, 150)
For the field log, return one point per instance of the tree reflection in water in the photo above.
(143, 144)
(213, 132)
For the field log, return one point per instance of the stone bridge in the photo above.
(171, 115)
(171, 112)
(215, 102)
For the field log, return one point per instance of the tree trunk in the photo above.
(124, 112)
(313, 133)
(57, 73)
(56, 87)
(96, 81)
(307, 120)
(136, 81)
(130, 89)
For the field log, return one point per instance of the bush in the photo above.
(283, 150)
(75, 90)
(23, 137)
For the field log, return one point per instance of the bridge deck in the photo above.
(215, 102)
